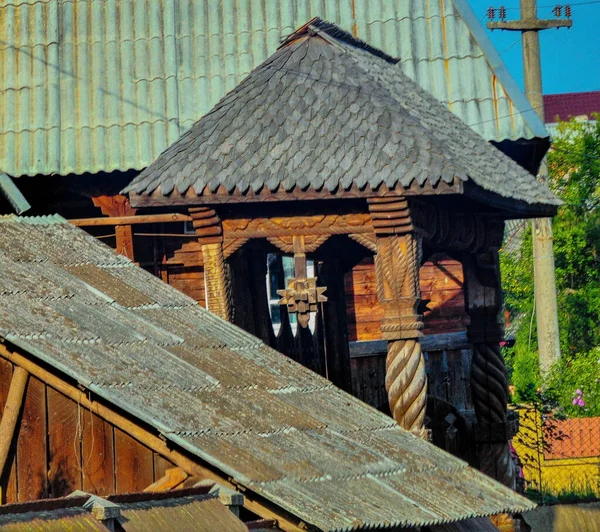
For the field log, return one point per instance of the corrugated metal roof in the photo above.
(175, 511)
(102, 85)
(324, 88)
(177, 515)
(272, 425)
(72, 519)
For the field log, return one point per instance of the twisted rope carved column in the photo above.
(397, 270)
(489, 385)
(216, 274)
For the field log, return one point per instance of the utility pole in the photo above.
(543, 255)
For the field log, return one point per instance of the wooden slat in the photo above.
(65, 432)
(161, 464)
(97, 455)
(368, 381)
(32, 459)
(8, 481)
(131, 220)
(134, 462)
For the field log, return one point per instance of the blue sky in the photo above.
(570, 57)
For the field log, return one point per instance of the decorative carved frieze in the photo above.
(313, 225)
(458, 231)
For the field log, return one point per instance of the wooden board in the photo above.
(368, 381)
(160, 466)
(8, 481)
(65, 432)
(97, 455)
(134, 464)
(32, 481)
(441, 280)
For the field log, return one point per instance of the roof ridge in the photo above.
(320, 27)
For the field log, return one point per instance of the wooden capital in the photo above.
(216, 275)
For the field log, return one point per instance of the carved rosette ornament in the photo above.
(216, 274)
(302, 297)
(489, 384)
(397, 270)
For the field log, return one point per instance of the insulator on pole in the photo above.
(491, 13)
(502, 13)
(568, 11)
(557, 10)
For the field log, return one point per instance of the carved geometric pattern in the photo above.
(286, 243)
(302, 297)
(457, 231)
(323, 224)
(366, 240)
(406, 384)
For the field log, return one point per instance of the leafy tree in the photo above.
(574, 176)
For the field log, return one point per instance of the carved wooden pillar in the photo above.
(216, 276)
(397, 269)
(489, 385)
(118, 206)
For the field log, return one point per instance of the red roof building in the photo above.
(572, 104)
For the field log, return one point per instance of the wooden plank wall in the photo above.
(61, 447)
(441, 284)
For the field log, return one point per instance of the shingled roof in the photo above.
(328, 113)
(268, 423)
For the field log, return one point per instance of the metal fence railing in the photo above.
(559, 458)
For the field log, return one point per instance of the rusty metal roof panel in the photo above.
(102, 85)
(263, 420)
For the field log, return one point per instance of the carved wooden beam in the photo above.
(489, 385)
(457, 231)
(315, 225)
(397, 272)
(216, 276)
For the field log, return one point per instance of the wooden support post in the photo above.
(172, 478)
(216, 275)
(12, 409)
(397, 265)
(489, 385)
(118, 206)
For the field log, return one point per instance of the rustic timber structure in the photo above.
(113, 382)
(327, 151)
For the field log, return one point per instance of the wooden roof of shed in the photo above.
(213, 390)
(329, 114)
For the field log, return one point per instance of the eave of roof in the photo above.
(330, 113)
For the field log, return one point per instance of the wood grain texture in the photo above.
(32, 457)
(134, 464)
(65, 431)
(97, 455)
(8, 481)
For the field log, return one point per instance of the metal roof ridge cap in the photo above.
(498, 66)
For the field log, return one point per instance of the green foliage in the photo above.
(574, 176)
(575, 384)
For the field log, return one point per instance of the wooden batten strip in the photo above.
(12, 409)
(130, 220)
(262, 508)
